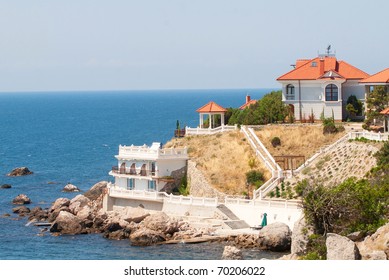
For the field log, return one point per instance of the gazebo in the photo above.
(385, 112)
(211, 109)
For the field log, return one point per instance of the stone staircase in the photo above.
(234, 222)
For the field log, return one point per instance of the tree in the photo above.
(376, 101)
(354, 106)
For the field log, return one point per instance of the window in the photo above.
(130, 184)
(289, 92)
(314, 64)
(152, 186)
(331, 92)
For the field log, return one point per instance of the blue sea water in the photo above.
(72, 137)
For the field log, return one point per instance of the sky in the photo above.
(65, 45)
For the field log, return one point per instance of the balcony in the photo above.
(151, 153)
(134, 171)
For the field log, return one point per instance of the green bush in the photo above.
(276, 141)
(255, 177)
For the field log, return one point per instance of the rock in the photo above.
(21, 210)
(131, 214)
(85, 213)
(70, 188)
(161, 222)
(96, 190)
(77, 203)
(21, 199)
(117, 235)
(341, 248)
(300, 237)
(275, 237)
(356, 236)
(5, 215)
(5, 186)
(377, 242)
(66, 223)
(20, 171)
(232, 253)
(60, 203)
(146, 237)
(39, 214)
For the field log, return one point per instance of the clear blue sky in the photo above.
(180, 44)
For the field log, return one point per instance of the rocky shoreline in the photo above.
(84, 215)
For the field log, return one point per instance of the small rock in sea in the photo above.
(70, 188)
(232, 253)
(20, 171)
(6, 215)
(5, 186)
(21, 210)
(21, 199)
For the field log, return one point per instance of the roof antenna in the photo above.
(328, 50)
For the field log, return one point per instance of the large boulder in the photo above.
(300, 237)
(20, 171)
(21, 199)
(131, 214)
(146, 237)
(161, 222)
(275, 237)
(341, 248)
(376, 245)
(232, 253)
(67, 223)
(59, 203)
(96, 190)
(77, 203)
(70, 188)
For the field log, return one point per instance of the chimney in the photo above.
(248, 99)
(321, 63)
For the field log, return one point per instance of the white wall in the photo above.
(253, 214)
(165, 167)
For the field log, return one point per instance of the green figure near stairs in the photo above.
(264, 220)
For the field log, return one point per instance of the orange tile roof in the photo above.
(211, 107)
(385, 111)
(380, 77)
(247, 104)
(314, 69)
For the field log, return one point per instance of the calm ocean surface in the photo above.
(72, 137)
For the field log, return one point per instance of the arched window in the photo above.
(289, 92)
(331, 92)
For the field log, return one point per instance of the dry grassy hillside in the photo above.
(224, 159)
(303, 140)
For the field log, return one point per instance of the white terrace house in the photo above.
(321, 84)
(147, 168)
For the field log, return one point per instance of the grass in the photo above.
(296, 140)
(223, 158)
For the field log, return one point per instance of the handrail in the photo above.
(369, 135)
(204, 131)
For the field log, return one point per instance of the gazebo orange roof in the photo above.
(380, 77)
(211, 107)
(385, 111)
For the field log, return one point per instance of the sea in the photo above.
(72, 137)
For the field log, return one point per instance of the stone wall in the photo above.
(198, 184)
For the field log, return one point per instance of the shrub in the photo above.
(276, 141)
(255, 177)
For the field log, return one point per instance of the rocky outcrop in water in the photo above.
(70, 188)
(232, 253)
(21, 199)
(20, 171)
(5, 186)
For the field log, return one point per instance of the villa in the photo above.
(321, 84)
(147, 168)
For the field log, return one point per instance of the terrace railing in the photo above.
(375, 136)
(207, 131)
